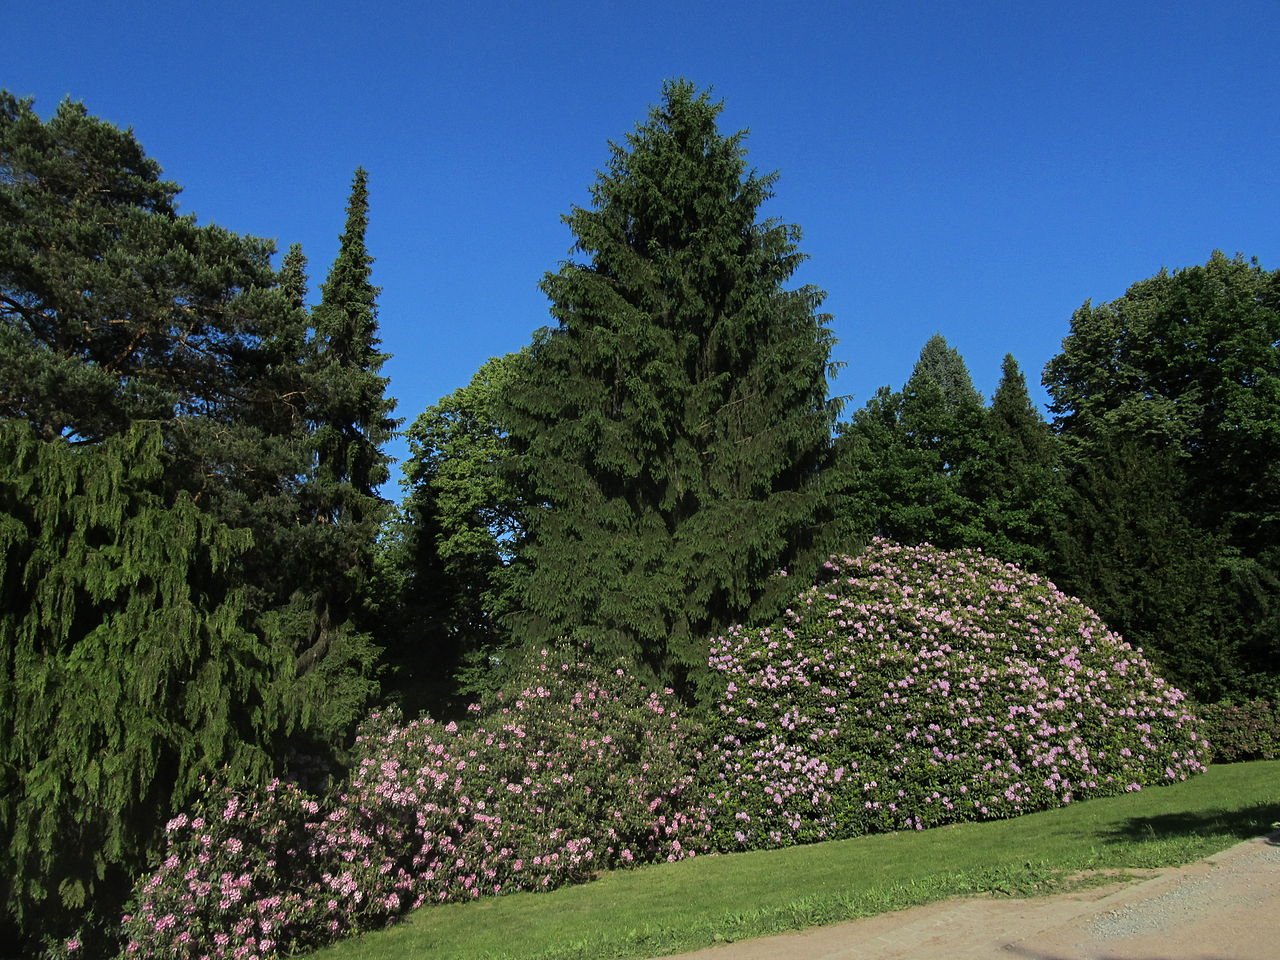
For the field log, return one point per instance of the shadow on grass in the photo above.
(1261, 819)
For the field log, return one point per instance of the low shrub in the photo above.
(916, 687)
(237, 880)
(570, 769)
(1242, 731)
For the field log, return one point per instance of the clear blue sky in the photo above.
(976, 169)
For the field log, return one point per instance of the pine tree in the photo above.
(670, 432)
(114, 308)
(351, 421)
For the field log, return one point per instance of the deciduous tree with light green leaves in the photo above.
(1184, 371)
(670, 432)
(462, 521)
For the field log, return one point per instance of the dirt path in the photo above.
(1224, 908)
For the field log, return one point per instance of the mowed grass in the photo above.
(682, 906)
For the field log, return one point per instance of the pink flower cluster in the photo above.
(915, 687)
(569, 771)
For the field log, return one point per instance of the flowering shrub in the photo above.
(566, 771)
(236, 880)
(916, 687)
(569, 770)
(1242, 731)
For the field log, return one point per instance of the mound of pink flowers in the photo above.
(915, 687)
(570, 770)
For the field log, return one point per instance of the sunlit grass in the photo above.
(663, 909)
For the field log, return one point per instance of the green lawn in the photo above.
(663, 909)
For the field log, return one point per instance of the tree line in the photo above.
(199, 579)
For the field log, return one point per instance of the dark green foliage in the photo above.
(126, 669)
(1191, 361)
(1242, 731)
(1129, 549)
(350, 418)
(913, 460)
(462, 519)
(352, 413)
(1169, 402)
(1021, 483)
(183, 553)
(941, 366)
(669, 433)
(115, 308)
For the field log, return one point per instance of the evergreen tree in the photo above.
(1021, 482)
(351, 421)
(670, 432)
(126, 671)
(913, 459)
(1128, 547)
(116, 312)
(940, 364)
(113, 308)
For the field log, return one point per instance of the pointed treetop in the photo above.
(941, 365)
(1011, 393)
(348, 306)
(1012, 410)
(293, 277)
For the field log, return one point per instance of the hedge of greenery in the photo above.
(916, 687)
(1242, 731)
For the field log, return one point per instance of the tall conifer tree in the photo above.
(155, 443)
(670, 432)
(351, 416)
(1022, 483)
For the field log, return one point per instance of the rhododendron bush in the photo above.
(569, 770)
(916, 687)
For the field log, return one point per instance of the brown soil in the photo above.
(1224, 908)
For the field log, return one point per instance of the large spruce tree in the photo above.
(671, 430)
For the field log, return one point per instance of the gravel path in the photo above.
(1224, 908)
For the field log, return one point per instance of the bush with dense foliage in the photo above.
(1242, 731)
(568, 770)
(916, 687)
